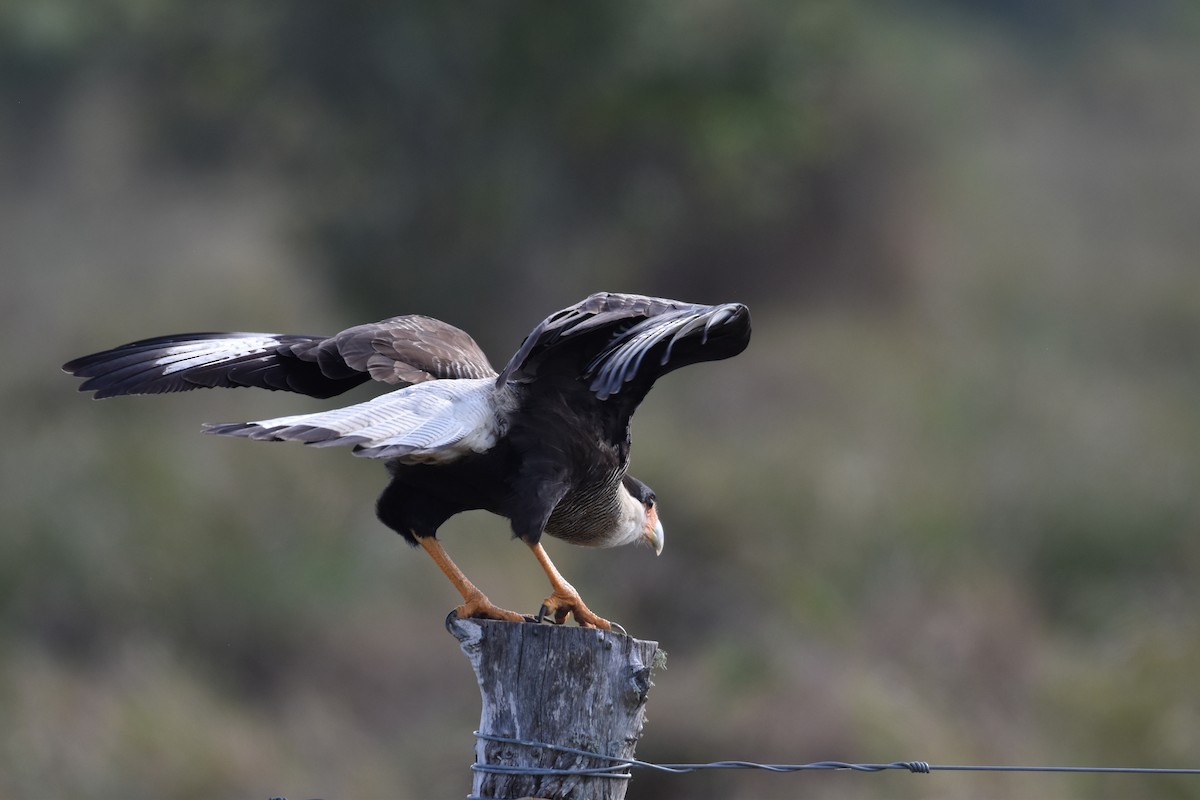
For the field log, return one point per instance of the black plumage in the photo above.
(544, 442)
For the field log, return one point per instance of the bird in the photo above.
(543, 442)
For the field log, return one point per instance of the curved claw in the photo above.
(479, 607)
(559, 606)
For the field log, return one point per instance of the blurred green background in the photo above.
(943, 508)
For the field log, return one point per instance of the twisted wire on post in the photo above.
(614, 770)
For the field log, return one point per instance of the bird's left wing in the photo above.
(613, 339)
(404, 349)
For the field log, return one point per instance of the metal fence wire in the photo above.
(617, 767)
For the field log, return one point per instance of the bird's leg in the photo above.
(564, 599)
(475, 603)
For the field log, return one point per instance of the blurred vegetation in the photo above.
(943, 508)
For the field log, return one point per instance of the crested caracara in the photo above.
(544, 443)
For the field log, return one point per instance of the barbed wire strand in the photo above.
(618, 767)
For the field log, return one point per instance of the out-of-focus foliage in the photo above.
(529, 151)
(942, 508)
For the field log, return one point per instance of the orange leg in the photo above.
(475, 603)
(564, 599)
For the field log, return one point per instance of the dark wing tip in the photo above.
(182, 362)
(685, 335)
(595, 312)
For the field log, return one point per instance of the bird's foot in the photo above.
(477, 606)
(560, 604)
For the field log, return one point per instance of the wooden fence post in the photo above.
(575, 687)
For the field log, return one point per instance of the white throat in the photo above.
(631, 520)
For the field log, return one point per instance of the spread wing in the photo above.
(399, 350)
(611, 340)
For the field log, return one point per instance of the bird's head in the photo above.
(639, 517)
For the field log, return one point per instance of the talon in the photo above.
(560, 606)
(479, 607)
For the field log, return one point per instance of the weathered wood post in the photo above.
(578, 688)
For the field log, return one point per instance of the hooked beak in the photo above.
(653, 530)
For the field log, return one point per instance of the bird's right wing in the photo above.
(404, 349)
(601, 313)
(611, 340)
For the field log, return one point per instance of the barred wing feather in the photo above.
(434, 421)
